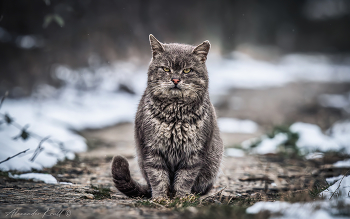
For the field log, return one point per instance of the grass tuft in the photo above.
(100, 192)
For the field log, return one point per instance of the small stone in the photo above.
(89, 196)
(193, 210)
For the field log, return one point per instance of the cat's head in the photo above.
(177, 72)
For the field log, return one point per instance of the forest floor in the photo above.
(242, 182)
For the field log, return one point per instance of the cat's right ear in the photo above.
(156, 46)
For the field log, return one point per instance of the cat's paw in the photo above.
(182, 194)
(161, 200)
(159, 196)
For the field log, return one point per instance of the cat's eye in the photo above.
(166, 69)
(187, 70)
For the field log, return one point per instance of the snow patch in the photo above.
(311, 138)
(66, 183)
(341, 191)
(342, 163)
(314, 156)
(243, 71)
(46, 178)
(334, 179)
(318, 209)
(234, 152)
(231, 125)
(268, 145)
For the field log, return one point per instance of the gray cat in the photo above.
(179, 148)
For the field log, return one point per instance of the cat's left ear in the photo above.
(202, 51)
(156, 46)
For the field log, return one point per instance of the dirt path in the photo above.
(249, 176)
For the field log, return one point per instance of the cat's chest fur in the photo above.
(177, 127)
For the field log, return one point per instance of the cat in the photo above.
(178, 143)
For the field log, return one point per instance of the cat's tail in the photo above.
(123, 181)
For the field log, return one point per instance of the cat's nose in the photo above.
(175, 80)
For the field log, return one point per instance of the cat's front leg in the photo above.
(157, 175)
(186, 176)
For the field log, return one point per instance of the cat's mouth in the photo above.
(175, 88)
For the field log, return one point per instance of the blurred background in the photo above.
(81, 64)
(36, 36)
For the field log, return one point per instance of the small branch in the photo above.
(3, 98)
(230, 200)
(339, 184)
(38, 149)
(159, 205)
(13, 156)
(213, 195)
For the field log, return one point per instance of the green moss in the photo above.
(100, 192)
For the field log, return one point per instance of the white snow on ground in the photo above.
(328, 208)
(46, 178)
(314, 156)
(310, 139)
(340, 132)
(334, 179)
(92, 98)
(318, 209)
(234, 152)
(231, 125)
(269, 145)
(244, 72)
(342, 191)
(88, 100)
(342, 163)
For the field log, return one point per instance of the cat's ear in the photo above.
(156, 46)
(202, 51)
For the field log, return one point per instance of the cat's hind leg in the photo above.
(203, 184)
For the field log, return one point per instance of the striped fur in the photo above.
(178, 144)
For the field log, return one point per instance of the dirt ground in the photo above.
(92, 194)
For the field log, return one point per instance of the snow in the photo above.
(311, 138)
(89, 99)
(231, 125)
(328, 208)
(93, 97)
(267, 145)
(340, 132)
(341, 192)
(66, 183)
(46, 178)
(334, 179)
(342, 163)
(243, 71)
(234, 152)
(318, 209)
(314, 156)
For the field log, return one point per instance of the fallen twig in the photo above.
(13, 156)
(155, 203)
(213, 195)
